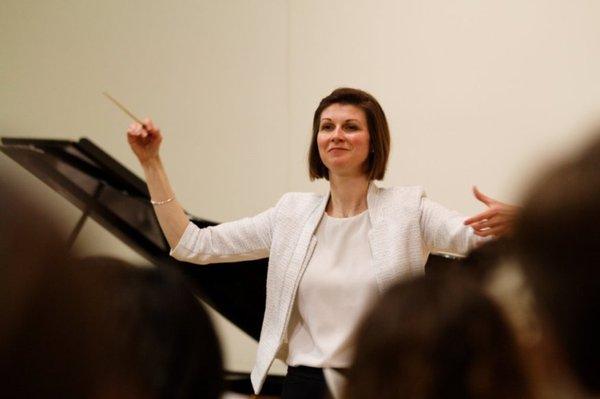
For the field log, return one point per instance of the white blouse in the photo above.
(335, 290)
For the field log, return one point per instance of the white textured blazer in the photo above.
(406, 227)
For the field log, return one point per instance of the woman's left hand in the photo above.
(497, 221)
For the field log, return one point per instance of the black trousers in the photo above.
(303, 382)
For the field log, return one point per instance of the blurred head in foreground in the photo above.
(49, 338)
(96, 328)
(161, 330)
(558, 245)
(435, 336)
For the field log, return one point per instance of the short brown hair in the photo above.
(379, 133)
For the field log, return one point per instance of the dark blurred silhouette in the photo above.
(95, 328)
(162, 331)
(558, 245)
(49, 339)
(432, 337)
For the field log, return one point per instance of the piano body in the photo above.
(118, 200)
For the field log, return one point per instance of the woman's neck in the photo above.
(348, 195)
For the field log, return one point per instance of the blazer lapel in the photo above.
(299, 257)
(382, 245)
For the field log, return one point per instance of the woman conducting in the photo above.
(330, 256)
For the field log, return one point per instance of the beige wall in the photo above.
(476, 92)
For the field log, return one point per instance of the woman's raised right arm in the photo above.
(145, 142)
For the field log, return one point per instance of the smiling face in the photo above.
(343, 140)
(362, 130)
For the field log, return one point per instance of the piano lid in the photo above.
(118, 200)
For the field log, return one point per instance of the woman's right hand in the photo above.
(144, 140)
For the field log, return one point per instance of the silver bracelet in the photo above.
(161, 202)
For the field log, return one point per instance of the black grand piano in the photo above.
(117, 199)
